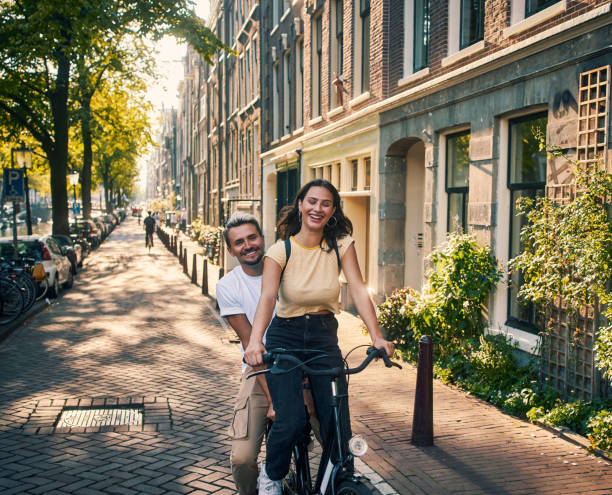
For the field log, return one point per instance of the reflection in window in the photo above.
(354, 174)
(534, 6)
(457, 180)
(526, 178)
(368, 167)
(421, 34)
(472, 22)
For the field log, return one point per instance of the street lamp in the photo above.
(73, 177)
(23, 156)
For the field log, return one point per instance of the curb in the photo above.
(9, 328)
(575, 438)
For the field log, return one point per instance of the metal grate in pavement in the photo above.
(99, 414)
(106, 416)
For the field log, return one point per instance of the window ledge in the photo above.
(274, 29)
(359, 99)
(275, 142)
(461, 54)
(535, 19)
(336, 111)
(299, 130)
(285, 137)
(285, 15)
(413, 77)
(315, 121)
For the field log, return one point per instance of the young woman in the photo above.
(308, 290)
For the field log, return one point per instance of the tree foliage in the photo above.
(40, 44)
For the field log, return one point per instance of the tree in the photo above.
(40, 43)
(122, 132)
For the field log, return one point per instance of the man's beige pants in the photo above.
(247, 431)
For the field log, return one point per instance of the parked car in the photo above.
(89, 230)
(45, 250)
(72, 250)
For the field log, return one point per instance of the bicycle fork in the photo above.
(332, 469)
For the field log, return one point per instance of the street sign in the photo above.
(76, 208)
(13, 189)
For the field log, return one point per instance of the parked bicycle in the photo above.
(336, 475)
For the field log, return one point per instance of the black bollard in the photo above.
(221, 273)
(180, 253)
(205, 277)
(194, 271)
(185, 269)
(422, 420)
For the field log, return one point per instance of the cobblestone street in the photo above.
(134, 331)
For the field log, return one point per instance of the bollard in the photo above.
(180, 253)
(422, 420)
(194, 271)
(205, 277)
(185, 269)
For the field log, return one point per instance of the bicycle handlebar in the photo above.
(273, 357)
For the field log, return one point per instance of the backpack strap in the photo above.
(287, 255)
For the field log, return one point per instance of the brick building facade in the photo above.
(421, 112)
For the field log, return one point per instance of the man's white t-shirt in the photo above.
(238, 293)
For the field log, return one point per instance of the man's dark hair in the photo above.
(236, 220)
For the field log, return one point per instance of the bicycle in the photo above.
(11, 300)
(338, 476)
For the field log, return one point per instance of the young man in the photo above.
(237, 295)
(149, 226)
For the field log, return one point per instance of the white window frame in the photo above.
(518, 21)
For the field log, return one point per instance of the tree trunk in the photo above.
(58, 156)
(87, 156)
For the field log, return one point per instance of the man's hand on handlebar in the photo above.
(253, 353)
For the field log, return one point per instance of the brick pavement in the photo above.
(134, 329)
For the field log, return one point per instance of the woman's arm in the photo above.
(361, 298)
(265, 309)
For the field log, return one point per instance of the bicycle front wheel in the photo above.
(352, 487)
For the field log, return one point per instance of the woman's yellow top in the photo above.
(310, 281)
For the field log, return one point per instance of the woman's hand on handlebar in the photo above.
(381, 343)
(253, 353)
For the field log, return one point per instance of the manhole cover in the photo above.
(106, 416)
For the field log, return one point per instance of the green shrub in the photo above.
(600, 430)
(450, 307)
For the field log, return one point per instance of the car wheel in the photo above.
(55, 288)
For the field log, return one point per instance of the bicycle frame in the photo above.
(330, 474)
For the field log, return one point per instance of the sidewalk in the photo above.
(134, 331)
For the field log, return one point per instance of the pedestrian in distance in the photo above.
(302, 269)
(149, 227)
(238, 293)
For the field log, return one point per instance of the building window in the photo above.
(275, 104)
(317, 68)
(368, 172)
(286, 94)
(472, 22)
(354, 175)
(534, 6)
(287, 183)
(421, 34)
(337, 51)
(364, 13)
(457, 180)
(299, 90)
(526, 177)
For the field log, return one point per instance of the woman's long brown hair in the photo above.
(290, 224)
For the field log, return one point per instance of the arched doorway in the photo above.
(402, 193)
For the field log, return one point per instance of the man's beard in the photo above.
(256, 262)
